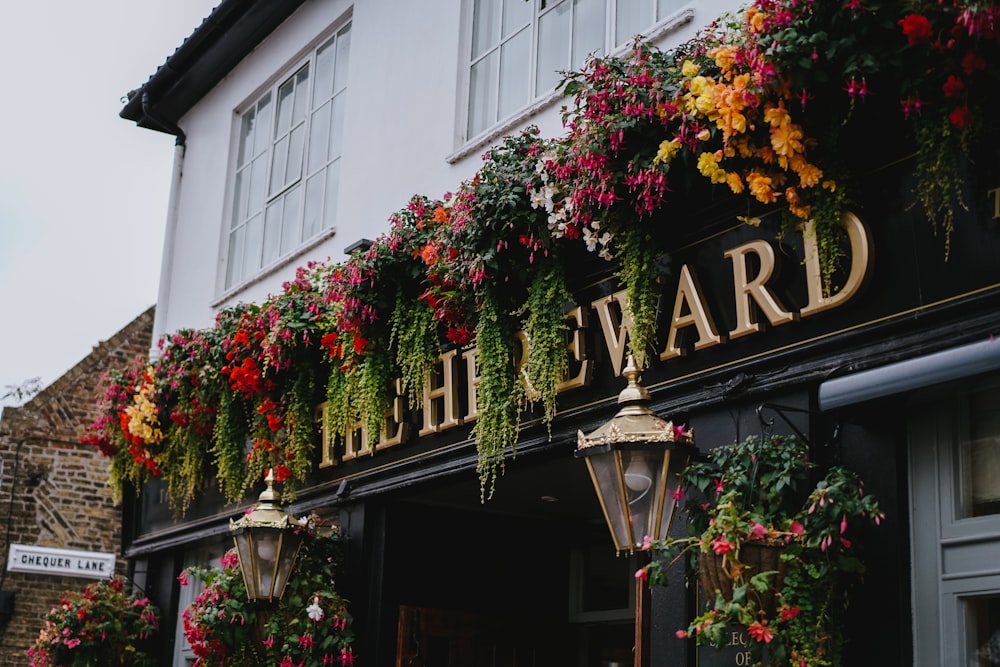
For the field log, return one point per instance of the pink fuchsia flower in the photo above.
(641, 574)
(796, 528)
(760, 632)
(758, 531)
(682, 634)
(183, 578)
(722, 546)
(347, 656)
(647, 543)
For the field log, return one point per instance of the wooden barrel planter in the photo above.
(755, 557)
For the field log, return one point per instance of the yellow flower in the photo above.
(708, 165)
(755, 19)
(809, 174)
(668, 149)
(698, 85)
(786, 139)
(723, 57)
(734, 182)
(689, 69)
(703, 135)
(830, 185)
(776, 116)
(760, 187)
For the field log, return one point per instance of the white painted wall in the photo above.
(401, 127)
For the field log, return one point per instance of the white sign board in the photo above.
(66, 562)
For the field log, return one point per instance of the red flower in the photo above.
(760, 632)
(917, 29)
(789, 613)
(722, 546)
(972, 62)
(953, 87)
(960, 117)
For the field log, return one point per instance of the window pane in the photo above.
(979, 454)
(485, 26)
(262, 134)
(286, 105)
(553, 47)
(337, 127)
(483, 94)
(312, 214)
(293, 171)
(258, 174)
(251, 246)
(634, 16)
(332, 190)
(343, 59)
(514, 59)
(323, 84)
(588, 30)
(982, 631)
(319, 138)
(272, 233)
(246, 137)
(516, 15)
(234, 260)
(301, 89)
(290, 237)
(278, 162)
(240, 190)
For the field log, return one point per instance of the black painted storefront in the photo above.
(424, 549)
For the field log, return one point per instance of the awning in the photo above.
(903, 376)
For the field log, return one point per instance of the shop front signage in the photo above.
(754, 305)
(60, 562)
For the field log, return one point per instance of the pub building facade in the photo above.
(893, 374)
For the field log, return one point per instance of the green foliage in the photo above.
(761, 491)
(310, 626)
(637, 272)
(107, 625)
(545, 328)
(414, 337)
(499, 398)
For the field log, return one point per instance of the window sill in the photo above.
(670, 24)
(272, 268)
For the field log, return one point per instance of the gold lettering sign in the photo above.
(691, 314)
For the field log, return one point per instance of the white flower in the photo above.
(314, 611)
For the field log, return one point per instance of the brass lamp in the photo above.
(634, 460)
(267, 543)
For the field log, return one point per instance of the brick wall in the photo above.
(53, 490)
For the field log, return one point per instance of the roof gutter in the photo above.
(162, 124)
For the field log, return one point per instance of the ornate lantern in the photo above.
(634, 460)
(267, 543)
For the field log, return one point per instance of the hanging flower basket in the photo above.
(717, 572)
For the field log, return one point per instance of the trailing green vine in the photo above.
(499, 398)
(546, 327)
(637, 272)
(414, 338)
(229, 445)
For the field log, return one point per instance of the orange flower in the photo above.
(429, 254)
(440, 214)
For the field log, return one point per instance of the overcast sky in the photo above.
(83, 193)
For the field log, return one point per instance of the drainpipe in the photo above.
(170, 233)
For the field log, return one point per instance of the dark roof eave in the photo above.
(224, 38)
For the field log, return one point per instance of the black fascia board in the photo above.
(224, 38)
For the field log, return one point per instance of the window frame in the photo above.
(944, 542)
(468, 142)
(282, 247)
